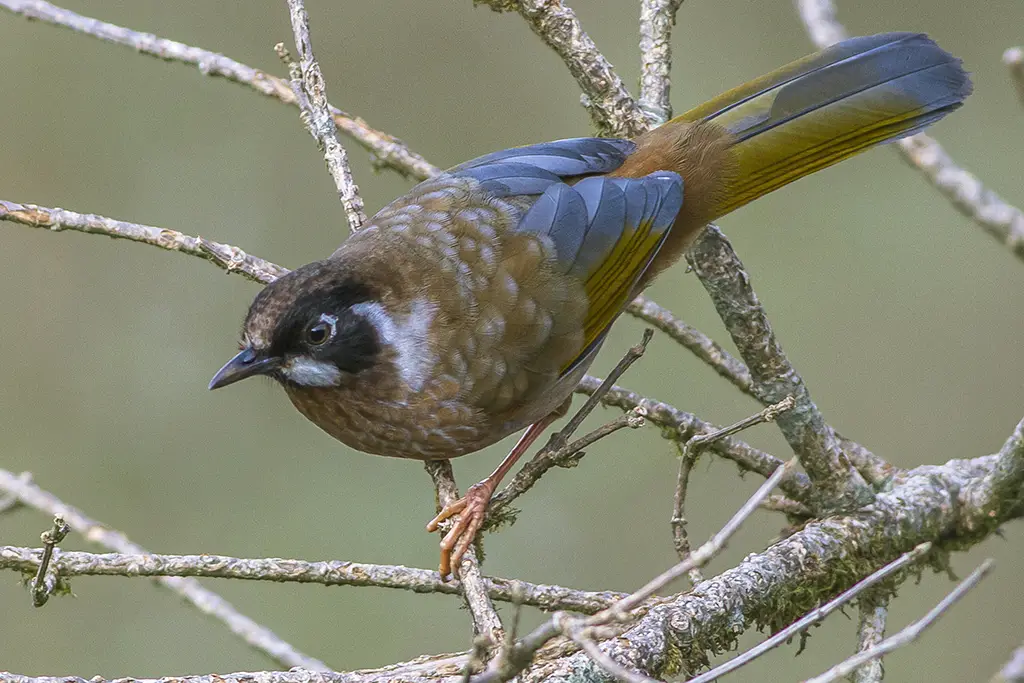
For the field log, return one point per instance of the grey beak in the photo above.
(246, 364)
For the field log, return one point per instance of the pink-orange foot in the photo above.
(471, 510)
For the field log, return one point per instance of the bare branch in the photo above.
(486, 622)
(231, 259)
(814, 617)
(819, 17)
(1014, 60)
(328, 573)
(387, 151)
(691, 449)
(680, 426)
(657, 17)
(10, 501)
(206, 601)
(908, 634)
(612, 109)
(873, 611)
(702, 346)
(317, 116)
(1013, 670)
(964, 190)
(810, 437)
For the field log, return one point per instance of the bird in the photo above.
(469, 308)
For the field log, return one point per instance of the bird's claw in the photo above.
(471, 510)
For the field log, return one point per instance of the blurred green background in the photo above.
(903, 317)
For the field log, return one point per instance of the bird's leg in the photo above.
(472, 508)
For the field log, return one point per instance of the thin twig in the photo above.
(657, 17)
(873, 610)
(838, 484)
(9, 501)
(813, 617)
(328, 573)
(692, 339)
(612, 109)
(908, 634)
(206, 601)
(387, 151)
(680, 539)
(231, 259)
(46, 581)
(486, 621)
(318, 117)
(1014, 60)
(557, 451)
(965, 191)
(679, 426)
(690, 450)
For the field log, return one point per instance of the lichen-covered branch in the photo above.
(69, 564)
(316, 115)
(657, 17)
(772, 588)
(964, 190)
(387, 151)
(838, 484)
(206, 601)
(873, 612)
(612, 108)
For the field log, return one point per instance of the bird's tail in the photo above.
(828, 106)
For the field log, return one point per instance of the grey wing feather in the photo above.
(587, 220)
(571, 157)
(505, 180)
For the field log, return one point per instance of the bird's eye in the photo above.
(320, 332)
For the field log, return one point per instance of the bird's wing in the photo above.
(605, 230)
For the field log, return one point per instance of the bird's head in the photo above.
(314, 327)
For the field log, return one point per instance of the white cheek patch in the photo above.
(407, 335)
(307, 372)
